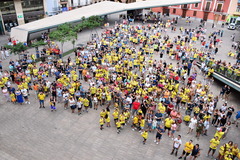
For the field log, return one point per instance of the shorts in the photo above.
(173, 131)
(154, 127)
(210, 149)
(53, 107)
(185, 152)
(79, 108)
(158, 136)
(167, 128)
(25, 97)
(73, 107)
(118, 127)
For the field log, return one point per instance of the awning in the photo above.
(21, 32)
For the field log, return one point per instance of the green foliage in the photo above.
(38, 43)
(67, 32)
(18, 48)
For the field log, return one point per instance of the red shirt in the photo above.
(136, 105)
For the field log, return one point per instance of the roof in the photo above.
(101, 8)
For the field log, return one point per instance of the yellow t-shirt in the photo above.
(188, 147)
(168, 122)
(214, 143)
(41, 96)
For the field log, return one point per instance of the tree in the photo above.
(36, 44)
(17, 49)
(63, 34)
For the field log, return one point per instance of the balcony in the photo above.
(220, 1)
(63, 1)
(185, 6)
(218, 11)
(206, 9)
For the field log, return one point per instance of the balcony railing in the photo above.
(206, 10)
(185, 6)
(218, 11)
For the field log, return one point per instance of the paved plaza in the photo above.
(30, 133)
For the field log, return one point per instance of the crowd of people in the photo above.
(126, 71)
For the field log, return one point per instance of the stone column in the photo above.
(45, 8)
(2, 23)
(19, 12)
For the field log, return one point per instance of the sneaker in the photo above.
(157, 143)
(28, 102)
(180, 158)
(133, 129)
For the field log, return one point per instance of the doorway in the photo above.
(205, 16)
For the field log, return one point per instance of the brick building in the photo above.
(208, 10)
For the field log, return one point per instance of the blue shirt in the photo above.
(238, 115)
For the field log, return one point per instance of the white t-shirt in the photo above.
(24, 92)
(177, 143)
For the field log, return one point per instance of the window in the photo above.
(219, 8)
(194, 13)
(174, 11)
(223, 17)
(207, 8)
(196, 5)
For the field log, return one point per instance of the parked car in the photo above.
(232, 26)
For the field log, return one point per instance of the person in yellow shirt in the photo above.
(107, 119)
(214, 142)
(118, 125)
(101, 122)
(235, 150)
(145, 136)
(219, 133)
(168, 123)
(41, 97)
(187, 150)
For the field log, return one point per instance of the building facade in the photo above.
(207, 10)
(17, 12)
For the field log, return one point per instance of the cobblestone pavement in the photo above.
(30, 133)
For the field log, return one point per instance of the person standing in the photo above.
(187, 150)
(19, 96)
(192, 124)
(52, 104)
(199, 129)
(214, 142)
(160, 131)
(72, 103)
(176, 145)
(6, 94)
(41, 97)
(195, 152)
(145, 136)
(168, 123)
(230, 111)
(101, 122)
(25, 95)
